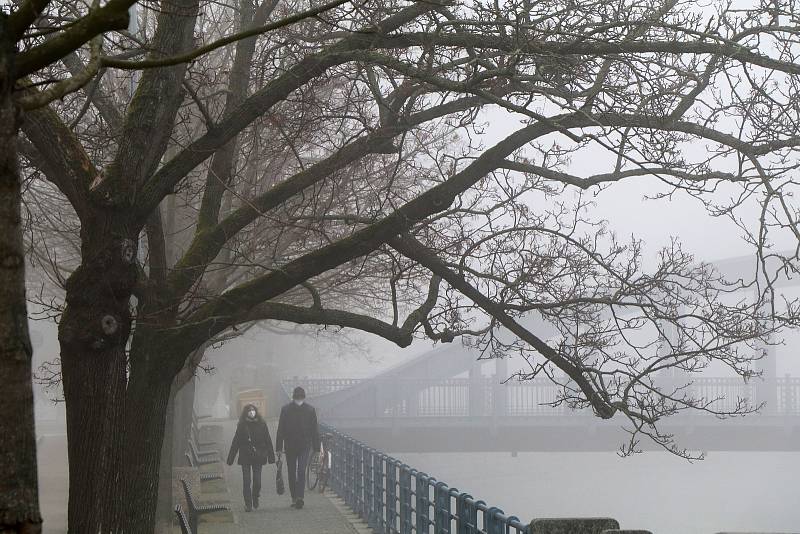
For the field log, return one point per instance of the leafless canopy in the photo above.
(344, 169)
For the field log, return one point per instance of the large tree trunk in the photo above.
(164, 508)
(93, 334)
(148, 399)
(94, 389)
(19, 500)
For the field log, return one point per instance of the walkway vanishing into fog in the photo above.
(322, 514)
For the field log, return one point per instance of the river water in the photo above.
(728, 491)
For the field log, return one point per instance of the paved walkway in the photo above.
(322, 514)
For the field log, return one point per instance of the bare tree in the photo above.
(37, 38)
(343, 155)
(18, 485)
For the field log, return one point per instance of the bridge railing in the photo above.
(788, 395)
(394, 498)
(462, 397)
(316, 387)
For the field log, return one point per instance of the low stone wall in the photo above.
(574, 525)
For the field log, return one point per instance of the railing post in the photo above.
(369, 455)
(391, 495)
(423, 503)
(377, 491)
(405, 499)
(441, 508)
(350, 493)
(336, 453)
(492, 523)
(359, 485)
(466, 514)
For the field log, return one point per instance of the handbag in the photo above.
(279, 478)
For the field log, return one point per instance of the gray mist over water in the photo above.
(728, 491)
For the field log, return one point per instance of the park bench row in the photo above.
(188, 522)
(198, 453)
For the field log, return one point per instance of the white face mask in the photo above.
(251, 414)
(298, 402)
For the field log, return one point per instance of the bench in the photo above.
(197, 440)
(183, 521)
(196, 509)
(204, 453)
(202, 459)
(203, 476)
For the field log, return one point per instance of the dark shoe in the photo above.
(294, 503)
(247, 508)
(255, 501)
(299, 504)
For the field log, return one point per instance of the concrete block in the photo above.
(573, 525)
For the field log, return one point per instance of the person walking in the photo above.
(298, 434)
(253, 444)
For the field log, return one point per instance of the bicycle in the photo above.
(317, 473)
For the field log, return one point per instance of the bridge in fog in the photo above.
(440, 401)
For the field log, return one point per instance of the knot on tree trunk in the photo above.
(109, 324)
(127, 251)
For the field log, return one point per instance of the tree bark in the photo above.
(93, 334)
(169, 459)
(148, 398)
(19, 500)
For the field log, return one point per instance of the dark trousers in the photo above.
(251, 485)
(296, 465)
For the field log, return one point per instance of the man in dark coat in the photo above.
(254, 446)
(298, 431)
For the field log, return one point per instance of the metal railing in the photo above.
(319, 386)
(462, 397)
(394, 498)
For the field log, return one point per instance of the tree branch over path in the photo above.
(207, 244)
(220, 171)
(38, 99)
(276, 311)
(101, 100)
(111, 16)
(151, 113)
(413, 249)
(21, 19)
(520, 45)
(72, 171)
(214, 316)
(164, 181)
(217, 315)
(597, 179)
(194, 54)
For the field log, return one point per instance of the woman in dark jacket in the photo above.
(254, 446)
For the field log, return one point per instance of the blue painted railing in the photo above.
(394, 498)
